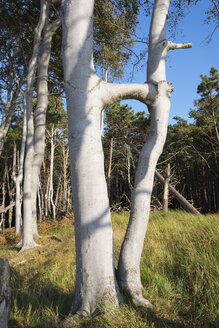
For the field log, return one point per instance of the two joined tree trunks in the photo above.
(87, 95)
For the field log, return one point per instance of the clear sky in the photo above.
(184, 66)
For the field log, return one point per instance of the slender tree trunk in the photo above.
(166, 189)
(110, 166)
(8, 112)
(215, 124)
(51, 175)
(3, 198)
(41, 108)
(129, 154)
(28, 233)
(47, 197)
(57, 199)
(39, 205)
(19, 177)
(130, 256)
(65, 160)
(184, 203)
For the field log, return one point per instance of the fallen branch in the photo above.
(185, 204)
(4, 210)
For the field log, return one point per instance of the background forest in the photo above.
(177, 271)
(191, 150)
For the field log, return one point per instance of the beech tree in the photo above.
(87, 95)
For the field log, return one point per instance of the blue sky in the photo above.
(185, 66)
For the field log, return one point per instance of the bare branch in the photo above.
(113, 92)
(173, 46)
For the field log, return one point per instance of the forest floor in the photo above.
(179, 272)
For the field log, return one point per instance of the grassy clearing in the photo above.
(179, 272)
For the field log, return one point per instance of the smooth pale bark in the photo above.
(130, 256)
(27, 233)
(19, 177)
(166, 189)
(40, 111)
(9, 108)
(6, 121)
(65, 159)
(95, 276)
(87, 95)
(110, 166)
(128, 156)
(51, 175)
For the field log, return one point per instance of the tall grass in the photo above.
(179, 272)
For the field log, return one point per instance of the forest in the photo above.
(72, 152)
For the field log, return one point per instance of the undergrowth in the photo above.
(179, 272)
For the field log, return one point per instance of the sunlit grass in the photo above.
(179, 271)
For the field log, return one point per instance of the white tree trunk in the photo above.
(130, 256)
(28, 234)
(51, 175)
(19, 177)
(9, 107)
(95, 276)
(87, 95)
(40, 112)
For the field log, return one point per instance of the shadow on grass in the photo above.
(36, 302)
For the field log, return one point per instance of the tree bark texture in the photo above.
(166, 189)
(87, 95)
(28, 233)
(95, 276)
(19, 178)
(41, 109)
(130, 256)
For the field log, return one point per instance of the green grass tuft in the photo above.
(179, 271)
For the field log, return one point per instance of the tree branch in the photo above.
(112, 92)
(173, 46)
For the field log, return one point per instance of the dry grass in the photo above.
(179, 273)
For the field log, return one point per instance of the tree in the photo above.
(192, 149)
(36, 128)
(207, 106)
(87, 95)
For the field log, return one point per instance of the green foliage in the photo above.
(208, 105)
(192, 149)
(178, 270)
(122, 123)
(114, 24)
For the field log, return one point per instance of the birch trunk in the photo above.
(28, 234)
(130, 256)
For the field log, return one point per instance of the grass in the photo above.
(179, 272)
